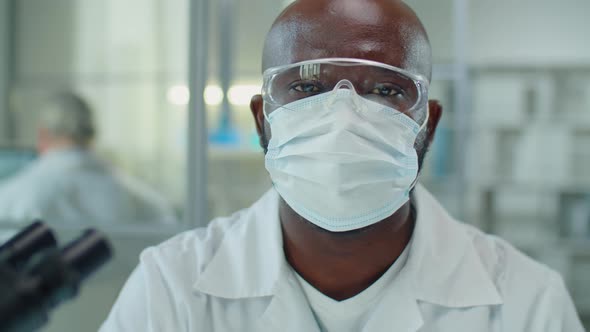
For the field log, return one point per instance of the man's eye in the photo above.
(306, 87)
(387, 91)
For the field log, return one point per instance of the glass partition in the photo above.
(127, 61)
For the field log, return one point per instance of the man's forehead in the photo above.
(348, 31)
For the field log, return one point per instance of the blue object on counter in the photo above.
(254, 141)
(226, 136)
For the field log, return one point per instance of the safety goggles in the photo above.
(388, 85)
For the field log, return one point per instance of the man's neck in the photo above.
(342, 265)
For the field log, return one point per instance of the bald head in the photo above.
(386, 31)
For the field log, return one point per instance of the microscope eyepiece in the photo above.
(87, 253)
(19, 249)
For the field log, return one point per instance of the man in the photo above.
(343, 242)
(69, 184)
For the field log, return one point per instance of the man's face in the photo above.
(382, 31)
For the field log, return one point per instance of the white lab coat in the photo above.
(72, 186)
(233, 276)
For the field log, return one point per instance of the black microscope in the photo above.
(36, 275)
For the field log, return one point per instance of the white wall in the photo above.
(438, 18)
(44, 34)
(511, 32)
(529, 31)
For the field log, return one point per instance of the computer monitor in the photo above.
(13, 159)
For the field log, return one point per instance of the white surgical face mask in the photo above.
(342, 161)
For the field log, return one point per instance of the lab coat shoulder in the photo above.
(188, 254)
(21, 196)
(159, 295)
(507, 265)
(533, 294)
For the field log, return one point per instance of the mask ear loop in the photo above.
(419, 131)
(425, 120)
(264, 112)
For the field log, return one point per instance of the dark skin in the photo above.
(342, 265)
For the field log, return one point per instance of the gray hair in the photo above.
(68, 115)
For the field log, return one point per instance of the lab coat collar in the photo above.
(443, 267)
(443, 261)
(250, 260)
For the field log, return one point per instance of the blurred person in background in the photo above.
(69, 184)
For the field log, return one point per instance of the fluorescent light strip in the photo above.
(238, 95)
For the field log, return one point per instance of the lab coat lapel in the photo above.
(443, 261)
(250, 263)
(398, 311)
(442, 269)
(288, 310)
(250, 258)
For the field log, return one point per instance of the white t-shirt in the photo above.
(350, 314)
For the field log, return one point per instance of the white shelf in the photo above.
(495, 183)
(521, 125)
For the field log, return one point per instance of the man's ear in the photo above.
(257, 108)
(436, 110)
